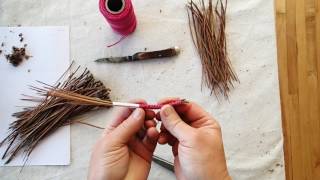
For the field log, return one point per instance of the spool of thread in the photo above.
(120, 15)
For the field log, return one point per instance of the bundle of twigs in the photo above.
(34, 124)
(207, 25)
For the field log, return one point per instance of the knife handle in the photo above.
(157, 54)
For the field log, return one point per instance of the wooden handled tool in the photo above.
(170, 52)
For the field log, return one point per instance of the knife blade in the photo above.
(170, 52)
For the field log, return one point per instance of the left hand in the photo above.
(126, 147)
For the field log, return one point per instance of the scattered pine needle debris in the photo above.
(21, 37)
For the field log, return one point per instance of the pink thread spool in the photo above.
(119, 14)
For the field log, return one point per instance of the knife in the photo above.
(143, 56)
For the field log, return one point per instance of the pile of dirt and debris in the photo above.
(17, 56)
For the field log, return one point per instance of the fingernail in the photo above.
(167, 110)
(137, 114)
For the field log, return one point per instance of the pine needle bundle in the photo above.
(34, 124)
(207, 26)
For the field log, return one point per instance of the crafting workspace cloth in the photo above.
(250, 120)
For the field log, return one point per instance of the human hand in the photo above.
(196, 142)
(125, 149)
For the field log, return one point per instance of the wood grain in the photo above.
(298, 42)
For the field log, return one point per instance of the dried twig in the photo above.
(207, 26)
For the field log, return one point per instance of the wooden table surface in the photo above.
(298, 41)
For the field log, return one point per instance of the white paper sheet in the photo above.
(49, 48)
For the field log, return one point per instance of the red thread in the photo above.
(124, 22)
(122, 38)
(159, 106)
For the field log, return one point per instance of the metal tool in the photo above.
(143, 56)
(164, 163)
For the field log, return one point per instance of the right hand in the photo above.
(196, 142)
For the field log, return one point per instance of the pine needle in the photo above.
(207, 26)
(34, 124)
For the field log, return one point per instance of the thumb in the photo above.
(173, 123)
(129, 127)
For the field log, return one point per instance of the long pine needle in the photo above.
(207, 26)
(35, 123)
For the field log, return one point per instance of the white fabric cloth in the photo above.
(251, 121)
